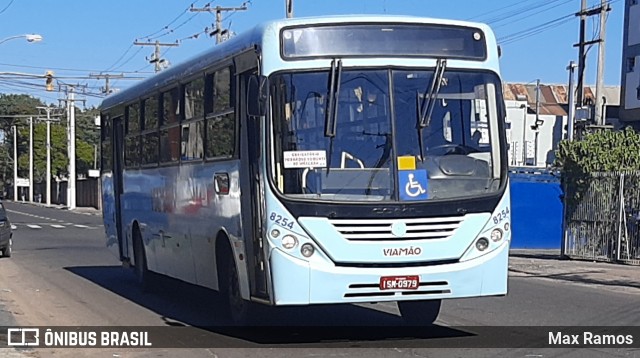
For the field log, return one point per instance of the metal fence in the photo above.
(602, 218)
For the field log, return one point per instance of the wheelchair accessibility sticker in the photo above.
(413, 184)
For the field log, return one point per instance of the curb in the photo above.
(78, 210)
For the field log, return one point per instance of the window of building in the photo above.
(631, 64)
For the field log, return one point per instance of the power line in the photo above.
(6, 7)
(58, 68)
(525, 16)
(520, 12)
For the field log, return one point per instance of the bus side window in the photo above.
(171, 106)
(220, 118)
(132, 140)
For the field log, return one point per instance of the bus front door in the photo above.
(118, 177)
(252, 183)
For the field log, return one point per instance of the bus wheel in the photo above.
(6, 251)
(420, 312)
(143, 274)
(239, 308)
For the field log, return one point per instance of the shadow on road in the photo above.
(182, 304)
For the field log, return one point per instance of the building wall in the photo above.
(539, 145)
(630, 91)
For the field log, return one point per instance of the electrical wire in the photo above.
(6, 7)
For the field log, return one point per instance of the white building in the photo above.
(533, 137)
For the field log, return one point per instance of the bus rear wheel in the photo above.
(420, 312)
(143, 274)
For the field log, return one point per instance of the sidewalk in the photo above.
(547, 264)
(77, 210)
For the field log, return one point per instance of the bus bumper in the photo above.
(299, 282)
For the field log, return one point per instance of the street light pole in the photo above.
(15, 163)
(31, 159)
(71, 187)
(48, 119)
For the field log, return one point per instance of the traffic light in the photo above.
(49, 80)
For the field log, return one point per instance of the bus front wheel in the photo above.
(420, 312)
(239, 309)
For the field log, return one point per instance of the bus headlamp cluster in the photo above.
(290, 241)
(496, 235)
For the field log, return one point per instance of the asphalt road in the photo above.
(61, 274)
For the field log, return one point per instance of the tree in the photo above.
(12, 105)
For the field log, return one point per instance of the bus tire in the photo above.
(143, 275)
(6, 251)
(238, 310)
(423, 312)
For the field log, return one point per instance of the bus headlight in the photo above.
(496, 235)
(482, 244)
(289, 242)
(307, 250)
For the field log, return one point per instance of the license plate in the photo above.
(399, 282)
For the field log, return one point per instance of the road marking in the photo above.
(34, 226)
(81, 226)
(57, 226)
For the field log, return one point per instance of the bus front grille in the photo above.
(373, 290)
(397, 229)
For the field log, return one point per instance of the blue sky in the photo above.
(88, 37)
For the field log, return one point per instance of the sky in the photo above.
(83, 38)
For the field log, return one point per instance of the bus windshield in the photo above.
(375, 153)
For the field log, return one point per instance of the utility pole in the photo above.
(15, 163)
(155, 57)
(572, 104)
(71, 146)
(289, 8)
(106, 89)
(582, 56)
(600, 115)
(48, 110)
(31, 159)
(219, 31)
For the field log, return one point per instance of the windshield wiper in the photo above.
(331, 116)
(333, 90)
(428, 102)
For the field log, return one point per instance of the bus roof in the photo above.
(255, 36)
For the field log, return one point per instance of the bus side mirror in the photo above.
(257, 96)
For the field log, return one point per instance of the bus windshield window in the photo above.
(377, 129)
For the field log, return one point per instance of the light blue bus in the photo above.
(319, 160)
